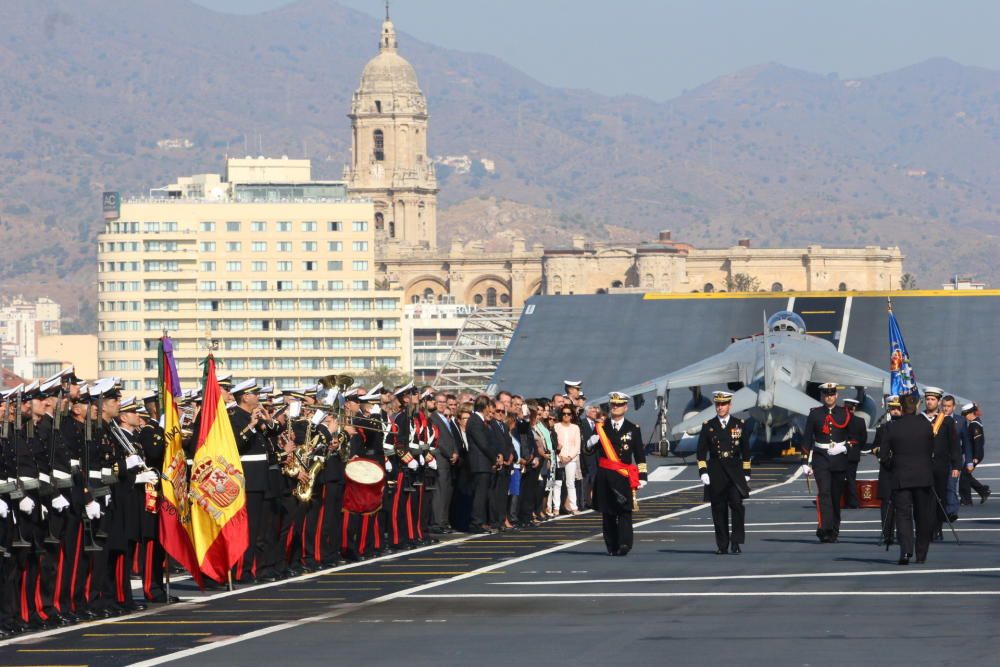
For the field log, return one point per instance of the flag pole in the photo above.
(229, 580)
(166, 577)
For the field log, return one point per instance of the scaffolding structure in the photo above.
(477, 351)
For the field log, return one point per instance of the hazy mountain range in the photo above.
(125, 95)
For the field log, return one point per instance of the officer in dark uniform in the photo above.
(857, 440)
(249, 426)
(153, 445)
(127, 496)
(907, 446)
(621, 470)
(8, 606)
(885, 471)
(824, 454)
(976, 450)
(724, 464)
(947, 452)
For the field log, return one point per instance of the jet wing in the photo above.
(718, 369)
(744, 399)
(847, 371)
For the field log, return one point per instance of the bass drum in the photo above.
(364, 486)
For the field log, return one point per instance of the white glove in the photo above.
(26, 505)
(4, 509)
(45, 512)
(107, 500)
(133, 461)
(837, 449)
(59, 503)
(376, 410)
(747, 478)
(147, 477)
(642, 483)
(412, 465)
(388, 466)
(704, 479)
(524, 410)
(593, 440)
(93, 510)
(433, 465)
(807, 470)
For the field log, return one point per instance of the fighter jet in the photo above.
(774, 376)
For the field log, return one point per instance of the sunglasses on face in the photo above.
(567, 414)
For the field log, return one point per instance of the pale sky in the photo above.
(658, 48)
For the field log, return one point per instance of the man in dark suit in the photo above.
(503, 448)
(824, 453)
(908, 447)
(724, 464)
(588, 460)
(621, 469)
(481, 460)
(895, 410)
(446, 454)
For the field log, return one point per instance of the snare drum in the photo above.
(363, 489)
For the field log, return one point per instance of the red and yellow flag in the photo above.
(175, 506)
(218, 488)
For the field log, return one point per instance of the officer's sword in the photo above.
(947, 518)
(809, 462)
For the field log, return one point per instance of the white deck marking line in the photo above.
(350, 607)
(813, 523)
(667, 473)
(739, 577)
(702, 594)
(845, 322)
(795, 530)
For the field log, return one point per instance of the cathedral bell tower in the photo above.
(389, 161)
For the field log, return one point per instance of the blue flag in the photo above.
(900, 370)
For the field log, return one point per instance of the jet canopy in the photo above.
(786, 320)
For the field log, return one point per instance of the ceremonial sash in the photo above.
(611, 461)
(938, 420)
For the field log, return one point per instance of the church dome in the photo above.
(389, 72)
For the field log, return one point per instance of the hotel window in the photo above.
(311, 344)
(206, 286)
(309, 226)
(284, 266)
(336, 325)
(207, 227)
(234, 304)
(309, 285)
(284, 286)
(335, 265)
(260, 343)
(284, 246)
(170, 226)
(258, 226)
(234, 285)
(284, 226)
(334, 246)
(258, 304)
(309, 266)
(336, 362)
(360, 246)
(258, 266)
(359, 265)
(234, 246)
(336, 344)
(308, 246)
(235, 344)
(336, 304)
(359, 285)
(234, 266)
(207, 267)
(259, 246)
(284, 304)
(333, 226)
(334, 285)
(309, 325)
(150, 227)
(258, 285)
(232, 226)
(236, 364)
(207, 246)
(360, 226)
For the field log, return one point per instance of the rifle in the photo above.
(88, 438)
(54, 434)
(18, 493)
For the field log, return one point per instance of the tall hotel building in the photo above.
(271, 271)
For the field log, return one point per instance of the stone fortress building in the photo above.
(390, 165)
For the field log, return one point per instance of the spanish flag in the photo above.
(175, 505)
(218, 488)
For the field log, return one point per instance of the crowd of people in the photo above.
(82, 464)
(337, 473)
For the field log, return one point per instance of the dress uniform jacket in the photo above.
(726, 455)
(825, 426)
(612, 493)
(907, 445)
(154, 447)
(977, 441)
(947, 452)
(252, 445)
(884, 469)
(857, 434)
